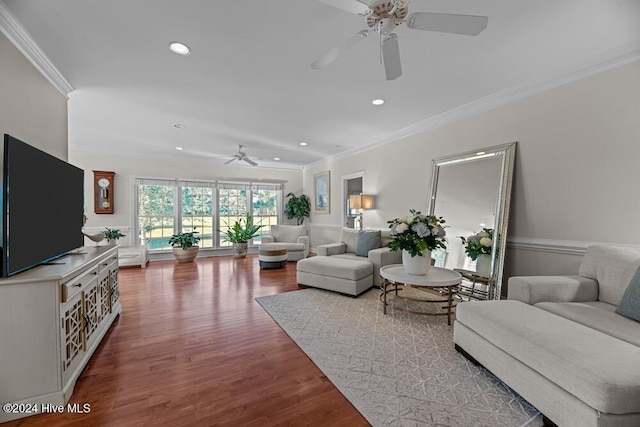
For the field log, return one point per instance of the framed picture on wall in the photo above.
(322, 201)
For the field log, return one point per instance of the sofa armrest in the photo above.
(332, 249)
(535, 289)
(381, 257)
(268, 239)
(304, 240)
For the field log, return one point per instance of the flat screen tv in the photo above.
(42, 207)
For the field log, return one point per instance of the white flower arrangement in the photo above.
(479, 243)
(416, 233)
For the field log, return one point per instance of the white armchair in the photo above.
(291, 237)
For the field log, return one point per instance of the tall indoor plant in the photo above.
(240, 234)
(416, 235)
(297, 207)
(185, 245)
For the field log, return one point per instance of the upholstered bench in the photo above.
(347, 276)
(272, 255)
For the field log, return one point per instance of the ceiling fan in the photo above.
(241, 155)
(384, 16)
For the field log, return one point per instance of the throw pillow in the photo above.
(366, 241)
(629, 305)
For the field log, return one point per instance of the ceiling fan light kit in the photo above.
(384, 16)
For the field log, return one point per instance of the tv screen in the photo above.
(42, 207)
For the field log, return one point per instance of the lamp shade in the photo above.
(361, 201)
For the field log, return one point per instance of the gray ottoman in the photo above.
(272, 255)
(347, 276)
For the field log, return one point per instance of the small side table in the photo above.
(437, 279)
(271, 255)
(133, 255)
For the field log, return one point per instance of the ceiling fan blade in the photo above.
(391, 57)
(229, 161)
(469, 25)
(351, 6)
(251, 162)
(334, 53)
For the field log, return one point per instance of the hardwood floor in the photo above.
(193, 348)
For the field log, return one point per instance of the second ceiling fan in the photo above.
(384, 16)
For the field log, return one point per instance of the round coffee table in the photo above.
(442, 280)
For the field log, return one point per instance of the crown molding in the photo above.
(611, 59)
(18, 35)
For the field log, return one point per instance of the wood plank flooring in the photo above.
(193, 348)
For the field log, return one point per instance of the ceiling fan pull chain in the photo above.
(380, 38)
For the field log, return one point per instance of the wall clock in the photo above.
(103, 192)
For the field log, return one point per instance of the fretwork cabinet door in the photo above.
(72, 334)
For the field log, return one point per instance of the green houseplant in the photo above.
(185, 245)
(297, 207)
(112, 235)
(240, 234)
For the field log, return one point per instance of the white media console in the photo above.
(52, 318)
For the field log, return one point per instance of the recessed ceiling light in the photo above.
(179, 48)
(179, 148)
(276, 158)
(303, 143)
(179, 126)
(377, 101)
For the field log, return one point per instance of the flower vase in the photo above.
(483, 265)
(416, 265)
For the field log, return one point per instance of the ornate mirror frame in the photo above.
(505, 153)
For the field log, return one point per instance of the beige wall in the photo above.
(31, 108)
(576, 169)
(127, 167)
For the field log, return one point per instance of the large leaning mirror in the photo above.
(472, 191)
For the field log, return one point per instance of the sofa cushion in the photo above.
(630, 303)
(336, 267)
(290, 247)
(597, 315)
(613, 267)
(348, 236)
(367, 241)
(287, 233)
(600, 370)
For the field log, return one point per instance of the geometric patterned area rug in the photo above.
(398, 369)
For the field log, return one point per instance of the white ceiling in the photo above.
(249, 80)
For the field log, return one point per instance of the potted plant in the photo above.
(185, 245)
(297, 207)
(240, 234)
(417, 235)
(112, 235)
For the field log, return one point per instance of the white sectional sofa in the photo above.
(350, 266)
(559, 342)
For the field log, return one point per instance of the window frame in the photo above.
(216, 186)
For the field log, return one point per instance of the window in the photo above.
(165, 207)
(156, 212)
(265, 202)
(196, 210)
(232, 206)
